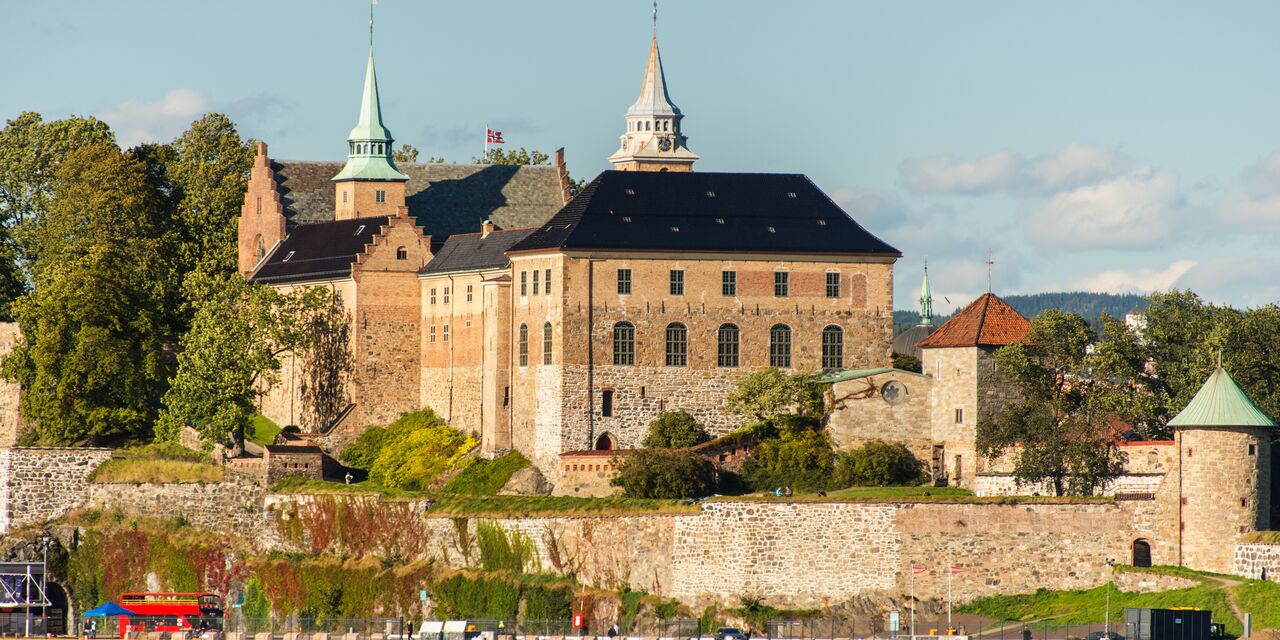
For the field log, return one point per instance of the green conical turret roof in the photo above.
(369, 144)
(1221, 403)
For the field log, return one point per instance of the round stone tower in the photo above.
(1224, 472)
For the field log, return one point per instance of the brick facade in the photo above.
(262, 222)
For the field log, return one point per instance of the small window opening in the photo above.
(791, 194)
(822, 223)
(711, 194)
(359, 229)
(772, 230)
(719, 220)
(606, 403)
(287, 256)
(402, 253)
(631, 192)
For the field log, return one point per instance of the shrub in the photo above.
(877, 463)
(662, 473)
(409, 453)
(487, 477)
(461, 597)
(675, 430)
(500, 551)
(798, 459)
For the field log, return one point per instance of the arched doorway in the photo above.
(1141, 553)
(59, 610)
(604, 442)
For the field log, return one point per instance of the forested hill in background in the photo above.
(1087, 304)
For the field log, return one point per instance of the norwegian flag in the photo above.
(918, 570)
(955, 569)
(494, 137)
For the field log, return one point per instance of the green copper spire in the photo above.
(1221, 403)
(369, 143)
(926, 299)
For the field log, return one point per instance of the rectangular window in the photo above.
(677, 282)
(380, 196)
(1253, 449)
(546, 281)
(606, 403)
(446, 295)
(433, 333)
(833, 285)
(624, 282)
(959, 416)
(729, 283)
(524, 283)
(446, 333)
(535, 282)
(468, 293)
(433, 295)
(781, 284)
(506, 396)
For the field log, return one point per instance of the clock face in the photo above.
(664, 144)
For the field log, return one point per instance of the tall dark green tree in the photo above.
(91, 360)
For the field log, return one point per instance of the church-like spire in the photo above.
(926, 299)
(369, 144)
(654, 141)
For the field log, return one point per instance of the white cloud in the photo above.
(1238, 280)
(1255, 203)
(1004, 171)
(1135, 280)
(946, 174)
(1134, 210)
(161, 120)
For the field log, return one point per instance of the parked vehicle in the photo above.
(730, 633)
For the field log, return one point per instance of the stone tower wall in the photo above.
(1225, 490)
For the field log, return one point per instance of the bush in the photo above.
(802, 460)
(486, 477)
(662, 473)
(769, 392)
(409, 453)
(675, 430)
(877, 463)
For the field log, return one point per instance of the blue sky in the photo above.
(1091, 145)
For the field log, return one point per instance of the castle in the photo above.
(560, 327)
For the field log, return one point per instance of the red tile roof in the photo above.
(987, 322)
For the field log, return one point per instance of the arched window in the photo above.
(624, 343)
(402, 253)
(546, 343)
(524, 345)
(780, 346)
(604, 442)
(1141, 553)
(260, 250)
(832, 347)
(727, 345)
(677, 345)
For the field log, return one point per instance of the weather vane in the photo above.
(989, 262)
(655, 17)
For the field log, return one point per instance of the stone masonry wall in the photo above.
(1226, 486)
(1143, 582)
(40, 484)
(10, 418)
(862, 412)
(234, 505)
(1249, 560)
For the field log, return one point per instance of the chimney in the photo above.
(486, 228)
(260, 160)
(563, 173)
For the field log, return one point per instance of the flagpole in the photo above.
(913, 601)
(485, 158)
(949, 574)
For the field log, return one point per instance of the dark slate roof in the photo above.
(319, 251)
(471, 251)
(718, 212)
(444, 199)
(905, 342)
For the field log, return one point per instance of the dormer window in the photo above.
(772, 230)
(287, 256)
(359, 229)
(719, 220)
(675, 229)
(711, 194)
(822, 223)
(626, 218)
(631, 192)
(791, 194)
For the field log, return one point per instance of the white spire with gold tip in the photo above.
(653, 140)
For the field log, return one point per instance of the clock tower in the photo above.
(654, 140)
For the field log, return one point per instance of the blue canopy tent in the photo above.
(108, 610)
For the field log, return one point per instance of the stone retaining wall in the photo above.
(1144, 582)
(234, 505)
(38, 484)
(1250, 559)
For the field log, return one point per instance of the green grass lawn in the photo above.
(262, 430)
(485, 477)
(1088, 606)
(157, 463)
(1262, 599)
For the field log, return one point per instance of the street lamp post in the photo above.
(1106, 623)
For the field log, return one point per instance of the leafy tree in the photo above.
(326, 357)
(405, 154)
(877, 463)
(233, 351)
(662, 473)
(907, 362)
(803, 459)
(675, 430)
(209, 172)
(1058, 428)
(767, 393)
(409, 453)
(91, 361)
(516, 156)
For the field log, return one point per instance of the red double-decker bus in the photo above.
(171, 612)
